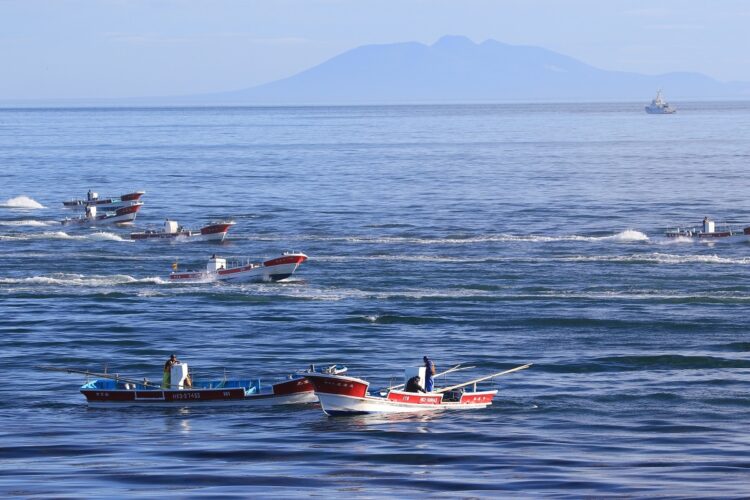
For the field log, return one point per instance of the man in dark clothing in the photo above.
(412, 385)
(166, 381)
(429, 372)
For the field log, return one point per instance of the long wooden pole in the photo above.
(100, 375)
(456, 368)
(475, 381)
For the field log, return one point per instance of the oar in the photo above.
(517, 368)
(456, 368)
(100, 375)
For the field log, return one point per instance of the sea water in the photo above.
(489, 235)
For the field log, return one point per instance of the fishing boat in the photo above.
(108, 389)
(215, 231)
(220, 269)
(343, 395)
(91, 218)
(659, 106)
(708, 230)
(93, 199)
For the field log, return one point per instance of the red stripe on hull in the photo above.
(287, 259)
(469, 398)
(293, 386)
(132, 196)
(415, 398)
(345, 386)
(129, 210)
(168, 396)
(216, 228)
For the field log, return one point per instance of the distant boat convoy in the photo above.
(123, 209)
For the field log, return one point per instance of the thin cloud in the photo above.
(652, 12)
(154, 39)
(676, 27)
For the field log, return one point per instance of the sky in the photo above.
(53, 49)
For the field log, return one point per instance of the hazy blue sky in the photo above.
(116, 48)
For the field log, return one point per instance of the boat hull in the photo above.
(716, 235)
(125, 200)
(660, 111)
(341, 395)
(295, 391)
(122, 215)
(276, 269)
(213, 232)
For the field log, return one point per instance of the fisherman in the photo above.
(430, 371)
(412, 385)
(166, 380)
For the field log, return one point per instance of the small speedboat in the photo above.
(91, 218)
(216, 231)
(344, 395)
(659, 106)
(707, 230)
(113, 390)
(276, 269)
(92, 199)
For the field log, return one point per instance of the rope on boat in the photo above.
(115, 377)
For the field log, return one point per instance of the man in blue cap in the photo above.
(429, 372)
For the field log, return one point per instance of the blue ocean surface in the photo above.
(490, 235)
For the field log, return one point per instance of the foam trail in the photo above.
(22, 202)
(624, 236)
(28, 222)
(62, 235)
(64, 279)
(660, 258)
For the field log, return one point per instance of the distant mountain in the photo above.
(455, 69)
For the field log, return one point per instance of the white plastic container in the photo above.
(170, 226)
(215, 263)
(177, 375)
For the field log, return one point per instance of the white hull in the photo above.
(337, 404)
(121, 216)
(660, 111)
(105, 221)
(343, 395)
(276, 269)
(212, 232)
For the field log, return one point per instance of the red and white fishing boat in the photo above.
(92, 199)
(343, 395)
(91, 218)
(215, 231)
(114, 390)
(276, 269)
(708, 230)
